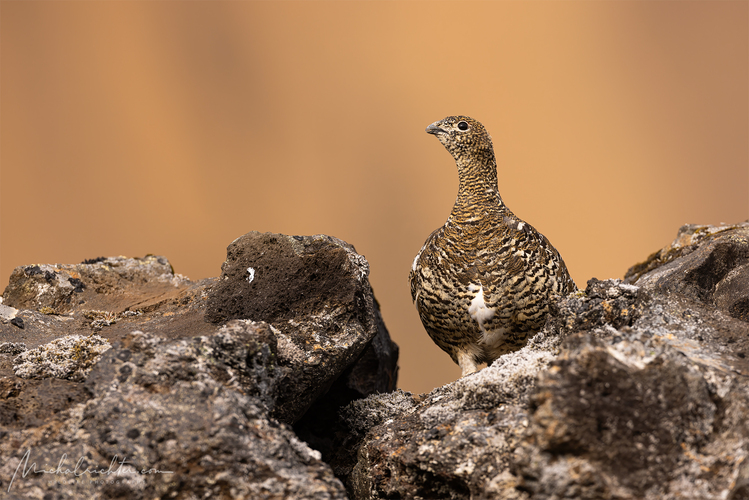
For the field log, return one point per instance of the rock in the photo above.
(634, 389)
(180, 412)
(272, 277)
(314, 291)
(70, 357)
(455, 442)
(712, 267)
(12, 347)
(7, 313)
(124, 379)
(609, 302)
(117, 296)
(99, 283)
(376, 371)
(625, 425)
(33, 403)
(320, 423)
(688, 239)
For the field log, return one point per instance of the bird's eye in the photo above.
(462, 125)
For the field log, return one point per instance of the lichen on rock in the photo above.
(70, 357)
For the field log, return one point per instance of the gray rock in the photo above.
(178, 406)
(455, 442)
(322, 429)
(98, 283)
(633, 389)
(180, 412)
(314, 291)
(12, 347)
(274, 277)
(706, 263)
(7, 313)
(70, 357)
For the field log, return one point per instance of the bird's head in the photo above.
(464, 137)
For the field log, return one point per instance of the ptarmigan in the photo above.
(482, 283)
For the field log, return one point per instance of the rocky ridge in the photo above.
(276, 380)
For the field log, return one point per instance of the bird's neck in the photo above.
(478, 194)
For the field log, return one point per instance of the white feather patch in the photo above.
(416, 259)
(478, 310)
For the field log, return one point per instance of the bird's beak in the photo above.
(434, 129)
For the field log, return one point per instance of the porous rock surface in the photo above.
(119, 381)
(315, 293)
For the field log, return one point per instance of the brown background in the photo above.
(174, 127)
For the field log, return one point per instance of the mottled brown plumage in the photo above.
(482, 283)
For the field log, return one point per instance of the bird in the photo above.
(483, 282)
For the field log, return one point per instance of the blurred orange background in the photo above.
(172, 128)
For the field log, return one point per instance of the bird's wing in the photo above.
(424, 253)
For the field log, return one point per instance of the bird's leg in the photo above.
(467, 363)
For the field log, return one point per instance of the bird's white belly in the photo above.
(481, 314)
(478, 309)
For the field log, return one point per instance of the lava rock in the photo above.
(314, 291)
(62, 288)
(633, 389)
(169, 418)
(277, 278)
(455, 442)
(626, 421)
(331, 435)
(706, 263)
(117, 372)
(70, 357)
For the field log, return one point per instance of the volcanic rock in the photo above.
(633, 389)
(118, 387)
